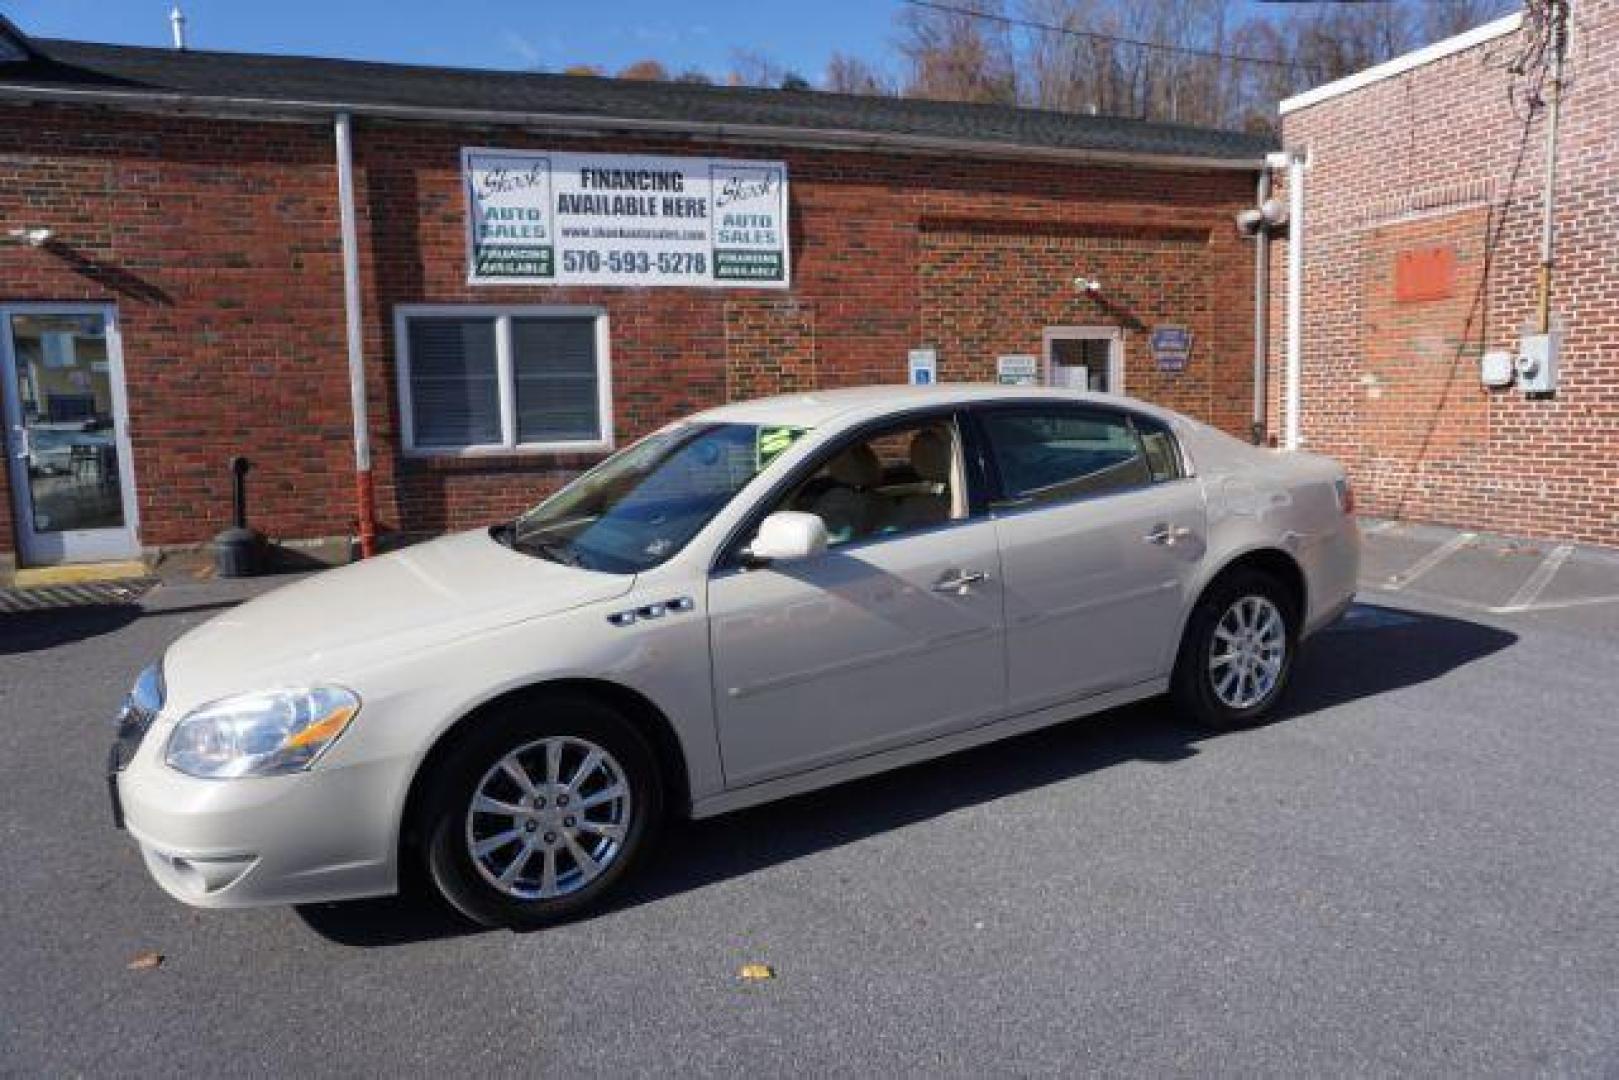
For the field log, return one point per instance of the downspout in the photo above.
(365, 499)
(1261, 310)
(1295, 297)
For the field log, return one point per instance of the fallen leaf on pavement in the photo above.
(146, 961)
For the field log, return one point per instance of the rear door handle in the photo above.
(1165, 535)
(959, 581)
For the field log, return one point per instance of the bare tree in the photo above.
(1257, 87)
(1066, 70)
(1217, 63)
(1441, 19)
(851, 75)
(957, 56)
(749, 67)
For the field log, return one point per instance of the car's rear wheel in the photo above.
(540, 811)
(1237, 652)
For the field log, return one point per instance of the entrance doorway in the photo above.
(1085, 358)
(67, 439)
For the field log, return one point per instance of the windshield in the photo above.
(643, 504)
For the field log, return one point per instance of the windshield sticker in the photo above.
(772, 441)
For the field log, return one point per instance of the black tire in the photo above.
(1194, 684)
(447, 825)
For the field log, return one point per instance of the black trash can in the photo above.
(239, 550)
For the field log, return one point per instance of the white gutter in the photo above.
(830, 138)
(1401, 64)
(1261, 311)
(365, 503)
(1295, 162)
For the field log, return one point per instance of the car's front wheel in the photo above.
(540, 811)
(1237, 652)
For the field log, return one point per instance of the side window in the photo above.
(1163, 456)
(895, 481)
(1059, 454)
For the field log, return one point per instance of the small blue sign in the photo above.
(1171, 347)
(923, 365)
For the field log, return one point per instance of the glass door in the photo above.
(66, 440)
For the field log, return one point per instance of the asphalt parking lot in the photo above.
(1413, 871)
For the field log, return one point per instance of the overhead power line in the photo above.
(1094, 35)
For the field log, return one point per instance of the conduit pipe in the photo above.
(1261, 309)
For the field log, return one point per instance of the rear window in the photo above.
(1050, 456)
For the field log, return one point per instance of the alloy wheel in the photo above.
(1249, 648)
(549, 818)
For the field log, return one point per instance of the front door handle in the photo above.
(1166, 535)
(959, 581)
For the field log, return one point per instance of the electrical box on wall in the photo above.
(1537, 363)
(1495, 369)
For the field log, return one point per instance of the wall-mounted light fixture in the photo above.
(1268, 215)
(33, 237)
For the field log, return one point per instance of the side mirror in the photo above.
(787, 535)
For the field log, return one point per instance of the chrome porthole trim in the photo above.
(1248, 652)
(629, 617)
(549, 818)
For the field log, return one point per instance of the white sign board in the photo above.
(1017, 370)
(553, 218)
(923, 365)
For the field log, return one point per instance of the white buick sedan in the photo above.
(760, 600)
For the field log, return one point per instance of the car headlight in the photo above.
(263, 734)
(146, 696)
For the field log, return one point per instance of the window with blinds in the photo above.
(480, 378)
(554, 366)
(454, 386)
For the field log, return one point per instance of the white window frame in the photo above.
(1114, 335)
(503, 314)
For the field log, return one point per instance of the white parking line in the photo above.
(1530, 590)
(1558, 605)
(1396, 582)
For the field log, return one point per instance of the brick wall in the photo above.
(218, 242)
(1435, 159)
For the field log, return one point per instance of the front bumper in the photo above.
(327, 834)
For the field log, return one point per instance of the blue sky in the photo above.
(485, 33)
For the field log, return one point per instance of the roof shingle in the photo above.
(305, 83)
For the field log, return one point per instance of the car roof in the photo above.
(852, 404)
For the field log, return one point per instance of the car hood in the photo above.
(386, 606)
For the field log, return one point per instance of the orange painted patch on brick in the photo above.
(1424, 274)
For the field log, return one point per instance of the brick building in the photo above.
(1423, 197)
(173, 290)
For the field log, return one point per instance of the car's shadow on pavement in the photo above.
(38, 631)
(1374, 650)
(49, 628)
